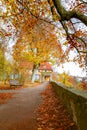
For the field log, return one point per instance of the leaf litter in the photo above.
(52, 115)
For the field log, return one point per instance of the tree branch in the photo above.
(67, 15)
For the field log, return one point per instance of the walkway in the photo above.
(18, 112)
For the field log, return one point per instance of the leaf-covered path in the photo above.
(18, 112)
(52, 115)
(35, 108)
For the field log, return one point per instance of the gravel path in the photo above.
(18, 112)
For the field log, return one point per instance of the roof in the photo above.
(45, 66)
(29, 65)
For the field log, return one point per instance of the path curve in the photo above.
(18, 112)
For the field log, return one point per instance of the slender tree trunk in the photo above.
(33, 75)
(35, 69)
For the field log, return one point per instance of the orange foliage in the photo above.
(52, 114)
(34, 23)
(37, 44)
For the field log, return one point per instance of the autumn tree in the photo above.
(37, 45)
(71, 15)
(2, 52)
(65, 16)
(4, 63)
(65, 79)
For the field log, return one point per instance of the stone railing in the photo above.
(76, 103)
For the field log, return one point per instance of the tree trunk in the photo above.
(33, 75)
(34, 71)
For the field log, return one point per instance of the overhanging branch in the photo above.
(67, 15)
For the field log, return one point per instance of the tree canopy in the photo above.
(34, 19)
(37, 45)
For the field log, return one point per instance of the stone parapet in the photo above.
(75, 101)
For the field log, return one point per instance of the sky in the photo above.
(70, 68)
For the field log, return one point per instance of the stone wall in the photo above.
(76, 103)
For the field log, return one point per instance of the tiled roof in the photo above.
(29, 65)
(45, 66)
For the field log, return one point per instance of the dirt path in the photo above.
(18, 112)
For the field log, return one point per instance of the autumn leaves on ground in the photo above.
(50, 114)
(4, 97)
